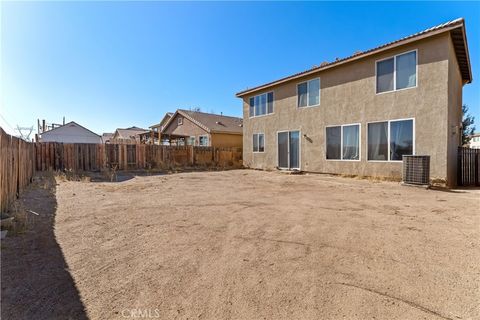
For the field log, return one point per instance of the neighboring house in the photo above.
(106, 137)
(159, 126)
(203, 129)
(153, 136)
(127, 136)
(360, 114)
(70, 132)
(474, 141)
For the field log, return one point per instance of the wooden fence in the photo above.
(17, 166)
(468, 167)
(19, 160)
(94, 157)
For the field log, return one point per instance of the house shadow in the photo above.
(35, 281)
(121, 176)
(456, 189)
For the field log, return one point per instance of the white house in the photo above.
(475, 141)
(71, 132)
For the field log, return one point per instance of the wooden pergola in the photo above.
(153, 137)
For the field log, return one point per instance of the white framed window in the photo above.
(258, 142)
(343, 142)
(390, 140)
(191, 141)
(203, 141)
(308, 93)
(261, 104)
(179, 121)
(396, 73)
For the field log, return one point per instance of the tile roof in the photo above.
(164, 119)
(106, 136)
(66, 125)
(212, 123)
(458, 37)
(128, 133)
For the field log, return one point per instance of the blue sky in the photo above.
(118, 64)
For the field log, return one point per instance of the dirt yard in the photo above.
(245, 244)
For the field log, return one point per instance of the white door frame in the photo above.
(288, 149)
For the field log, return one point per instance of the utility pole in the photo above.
(24, 132)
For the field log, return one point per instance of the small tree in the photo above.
(467, 125)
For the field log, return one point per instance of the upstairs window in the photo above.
(258, 142)
(396, 73)
(179, 121)
(261, 105)
(308, 93)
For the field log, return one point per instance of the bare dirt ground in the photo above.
(246, 244)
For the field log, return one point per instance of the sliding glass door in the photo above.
(289, 150)
(283, 150)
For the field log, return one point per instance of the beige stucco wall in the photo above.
(187, 128)
(225, 140)
(348, 96)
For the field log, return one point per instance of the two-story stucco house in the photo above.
(359, 115)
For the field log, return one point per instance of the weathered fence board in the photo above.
(17, 166)
(95, 157)
(468, 167)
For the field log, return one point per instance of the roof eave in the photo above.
(186, 116)
(465, 43)
(358, 57)
(48, 131)
(226, 132)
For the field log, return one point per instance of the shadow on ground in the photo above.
(472, 189)
(35, 281)
(125, 175)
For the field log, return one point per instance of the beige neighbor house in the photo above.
(360, 114)
(153, 136)
(202, 129)
(129, 135)
(106, 137)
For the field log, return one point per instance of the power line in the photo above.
(7, 122)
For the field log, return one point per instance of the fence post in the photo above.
(17, 165)
(476, 169)
(459, 166)
(192, 155)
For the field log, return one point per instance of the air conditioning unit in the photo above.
(416, 170)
